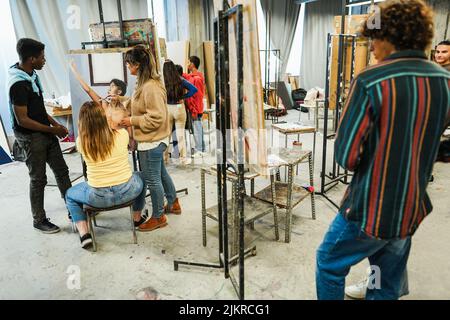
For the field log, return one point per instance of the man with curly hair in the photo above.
(389, 137)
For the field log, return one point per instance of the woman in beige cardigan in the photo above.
(150, 122)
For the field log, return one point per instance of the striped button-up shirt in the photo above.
(389, 136)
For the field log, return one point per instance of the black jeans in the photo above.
(42, 148)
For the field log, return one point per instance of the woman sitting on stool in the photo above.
(110, 179)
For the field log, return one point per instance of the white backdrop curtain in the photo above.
(284, 18)
(319, 17)
(54, 22)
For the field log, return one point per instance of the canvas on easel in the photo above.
(254, 123)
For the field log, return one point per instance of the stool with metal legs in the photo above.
(92, 212)
(289, 194)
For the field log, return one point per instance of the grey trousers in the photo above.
(42, 148)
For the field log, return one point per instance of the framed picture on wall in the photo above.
(105, 67)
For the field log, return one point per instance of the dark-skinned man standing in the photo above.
(36, 132)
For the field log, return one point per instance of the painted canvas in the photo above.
(254, 122)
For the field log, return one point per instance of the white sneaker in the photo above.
(185, 161)
(197, 155)
(357, 291)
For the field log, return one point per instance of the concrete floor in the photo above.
(36, 266)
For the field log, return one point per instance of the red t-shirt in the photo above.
(195, 104)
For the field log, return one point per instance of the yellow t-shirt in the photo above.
(115, 169)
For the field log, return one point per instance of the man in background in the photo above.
(442, 54)
(195, 104)
(36, 132)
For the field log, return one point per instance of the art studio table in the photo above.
(288, 129)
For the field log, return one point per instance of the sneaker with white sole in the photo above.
(137, 224)
(86, 241)
(198, 155)
(357, 291)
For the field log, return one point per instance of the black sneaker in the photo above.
(46, 227)
(86, 241)
(142, 221)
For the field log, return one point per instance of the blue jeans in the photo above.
(198, 134)
(82, 194)
(157, 179)
(346, 245)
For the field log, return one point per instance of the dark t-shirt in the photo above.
(22, 94)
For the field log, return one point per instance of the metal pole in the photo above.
(325, 124)
(218, 54)
(269, 48)
(102, 21)
(122, 35)
(224, 78)
(241, 151)
(153, 12)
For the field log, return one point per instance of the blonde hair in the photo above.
(96, 136)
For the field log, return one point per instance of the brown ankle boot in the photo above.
(174, 209)
(153, 224)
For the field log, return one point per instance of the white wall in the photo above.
(160, 16)
(8, 57)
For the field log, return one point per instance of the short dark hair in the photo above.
(195, 60)
(179, 69)
(407, 24)
(444, 43)
(27, 48)
(122, 85)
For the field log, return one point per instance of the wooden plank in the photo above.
(94, 51)
(281, 192)
(209, 66)
(178, 52)
(156, 49)
(62, 113)
(254, 122)
(163, 47)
